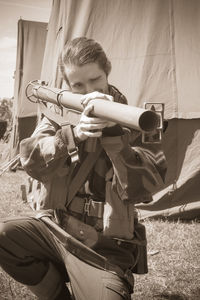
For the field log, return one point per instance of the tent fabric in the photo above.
(30, 50)
(31, 42)
(153, 47)
(180, 197)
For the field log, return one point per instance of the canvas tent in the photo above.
(153, 46)
(154, 49)
(30, 50)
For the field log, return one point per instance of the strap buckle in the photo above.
(73, 153)
(87, 206)
(94, 208)
(70, 141)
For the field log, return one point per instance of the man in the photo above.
(101, 214)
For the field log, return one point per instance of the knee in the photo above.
(5, 228)
(2, 233)
(2, 229)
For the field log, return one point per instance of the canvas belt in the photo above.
(88, 206)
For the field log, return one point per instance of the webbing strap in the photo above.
(72, 116)
(69, 140)
(71, 119)
(82, 174)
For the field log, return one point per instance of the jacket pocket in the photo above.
(115, 292)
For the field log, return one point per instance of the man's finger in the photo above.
(89, 127)
(88, 109)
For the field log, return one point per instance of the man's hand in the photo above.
(91, 126)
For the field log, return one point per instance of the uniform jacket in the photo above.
(125, 173)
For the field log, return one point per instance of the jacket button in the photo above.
(81, 232)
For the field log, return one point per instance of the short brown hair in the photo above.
(81, 51)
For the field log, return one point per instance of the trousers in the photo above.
(27, 247)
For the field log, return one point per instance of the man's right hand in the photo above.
(91, 126)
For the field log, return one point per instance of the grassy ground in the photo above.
(173, 253)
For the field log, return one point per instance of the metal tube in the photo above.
(126, 115)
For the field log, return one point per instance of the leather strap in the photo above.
(82, 174)
(69, 140)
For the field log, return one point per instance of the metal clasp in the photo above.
(34, 85)
(154, 137)
(87, 206)
(74, 154)
(94, 208)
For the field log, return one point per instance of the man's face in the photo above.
(87, 78)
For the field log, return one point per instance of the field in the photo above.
(173, 253)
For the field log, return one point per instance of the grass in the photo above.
(173, 253)
(174, 269)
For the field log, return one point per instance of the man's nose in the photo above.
(89, 88)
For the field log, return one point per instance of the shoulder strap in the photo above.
(82, 173)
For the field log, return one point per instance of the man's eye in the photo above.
(78, 85)
(95, 79)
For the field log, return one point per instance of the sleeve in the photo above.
(138, 170)
(45, 153)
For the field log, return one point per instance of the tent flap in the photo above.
(30, 50)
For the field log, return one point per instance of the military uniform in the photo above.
(124, 173)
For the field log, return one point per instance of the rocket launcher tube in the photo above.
(126, 115)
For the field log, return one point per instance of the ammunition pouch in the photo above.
(81, 231)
